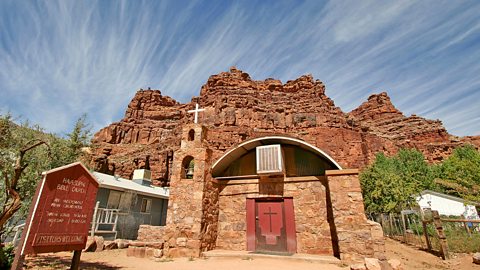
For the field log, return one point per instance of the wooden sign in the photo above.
(61, 211)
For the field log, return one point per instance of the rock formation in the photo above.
(238, 108)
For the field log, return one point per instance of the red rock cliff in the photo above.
(238, 108)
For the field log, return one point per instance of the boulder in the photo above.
(384, 265)
(91, 245)
(100, 243)
(358, 266)
(372, 264)
(94, 244)
(395, 264)
(157, 253)
(122, 243)
(476, 258)
(110, 245)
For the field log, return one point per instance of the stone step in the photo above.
(245, 255)
(144, 252)
(150, 244)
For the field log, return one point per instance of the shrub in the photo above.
(7, 254)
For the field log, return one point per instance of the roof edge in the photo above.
(446, 196)
(311, 147)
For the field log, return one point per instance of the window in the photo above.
(127, 201)
(191, 135)
(146, 205)
(188, 166)
(114, 199)
(269, 159)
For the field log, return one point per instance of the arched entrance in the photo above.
(275, 189)
(245, 149)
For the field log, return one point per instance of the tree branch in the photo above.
(19, 166)
(9, 209)
(7, 182)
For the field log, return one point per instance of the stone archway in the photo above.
(270, 205)
(233, 154)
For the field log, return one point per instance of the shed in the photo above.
(447, 205)
(135, 202)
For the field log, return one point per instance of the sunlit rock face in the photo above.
(238, 108)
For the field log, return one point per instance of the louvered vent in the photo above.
(269, 159)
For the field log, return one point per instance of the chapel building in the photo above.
(272, 194)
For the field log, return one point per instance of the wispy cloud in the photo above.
(59, 59)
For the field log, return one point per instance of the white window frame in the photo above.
(278, 149)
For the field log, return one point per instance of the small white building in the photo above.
(124, 205)
(447, 205)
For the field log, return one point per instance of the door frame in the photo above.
(289, 222)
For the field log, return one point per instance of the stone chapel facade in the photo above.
(302, 201)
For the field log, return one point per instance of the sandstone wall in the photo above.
(357, 238)
(182, 234)
(309, 197)
(329, 217)
(210, 211)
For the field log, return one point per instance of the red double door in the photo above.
(271, 225)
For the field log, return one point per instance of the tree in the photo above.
(12, 201)
(78, 138)
(391, 183)
(459, 174)
(22, 161)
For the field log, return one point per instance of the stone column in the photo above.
(354, 235)
(184, 216)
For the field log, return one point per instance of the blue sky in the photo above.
(60, 59)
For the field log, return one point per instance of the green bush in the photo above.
(459, 241)
(418, 229)
(459, 174)
(7, 254)
(390, 184)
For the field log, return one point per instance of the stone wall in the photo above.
(149, 233)
(357, 238)
(329, 216)
(206, 213)
(310, 207)
(210, 210)
(232, 215)
(193, 204)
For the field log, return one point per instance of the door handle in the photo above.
(256, 217)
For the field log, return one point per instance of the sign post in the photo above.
(60, 214)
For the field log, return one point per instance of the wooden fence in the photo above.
(427, 230)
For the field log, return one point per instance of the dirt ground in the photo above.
(117, 259)
(411, 258)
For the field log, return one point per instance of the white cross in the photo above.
(196, 111)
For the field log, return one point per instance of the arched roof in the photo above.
(222, 163)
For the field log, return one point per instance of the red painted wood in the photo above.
(63, 213)
(270, 232)
(270, 219)
(251, 224)
(290, 225)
